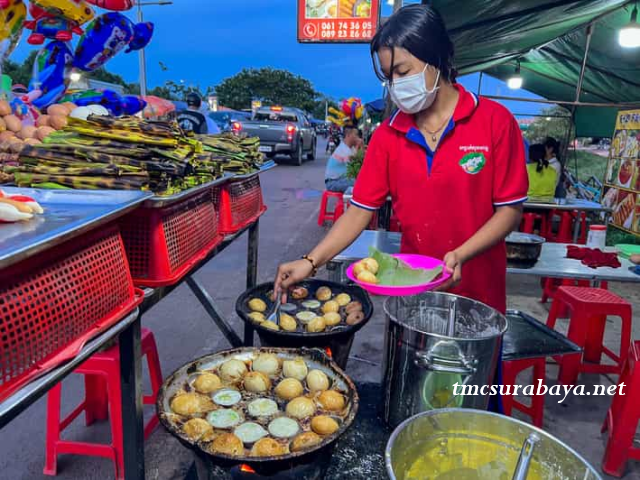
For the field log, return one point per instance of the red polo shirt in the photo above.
(442, 198)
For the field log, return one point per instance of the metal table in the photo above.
(552, 263)
(69, 213)
(533, 204)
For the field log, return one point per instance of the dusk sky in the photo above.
(204, 41)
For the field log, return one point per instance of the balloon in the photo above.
(75, 10)
(45, 25)
(103, 39)
(118, 5)
(12, 15)
(142, 33)
(352, 107)
(132, 104)
(107, 98)
(50, 72)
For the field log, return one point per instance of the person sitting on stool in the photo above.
(335, 176)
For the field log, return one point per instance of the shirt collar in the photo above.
(467, 103)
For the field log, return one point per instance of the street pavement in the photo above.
(183, 331)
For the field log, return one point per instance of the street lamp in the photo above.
(141, 57)
(515, 81)
(629, 35)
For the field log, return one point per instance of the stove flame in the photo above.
(246, 468)
(329, 352)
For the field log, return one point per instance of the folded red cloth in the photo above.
(593, 257)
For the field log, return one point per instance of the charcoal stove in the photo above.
(312, 468)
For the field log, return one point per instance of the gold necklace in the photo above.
(434, 133)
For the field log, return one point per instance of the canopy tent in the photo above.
(549, 40)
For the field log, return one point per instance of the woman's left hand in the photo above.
(453, 265)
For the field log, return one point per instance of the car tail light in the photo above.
(236, 127)
(291, 129)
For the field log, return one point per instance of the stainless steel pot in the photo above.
(457, 443)
(433, 341)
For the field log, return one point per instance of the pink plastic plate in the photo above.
(414, 261)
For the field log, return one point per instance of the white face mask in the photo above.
(410, 93)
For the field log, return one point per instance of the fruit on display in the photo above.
(93, 151)
(18, 208)
(26, 132)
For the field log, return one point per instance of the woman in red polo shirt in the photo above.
(453, 164)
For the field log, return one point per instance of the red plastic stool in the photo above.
(527, 225)
(589, 308)
(510, 371)
(622, 418)
(550, 287)
(582, 218)
(102, 399)
(325, 214)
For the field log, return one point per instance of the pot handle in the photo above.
(445, 365)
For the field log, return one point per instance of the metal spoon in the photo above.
(275, 315)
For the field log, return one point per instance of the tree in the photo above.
(20, 73)
(269, 85)
(550, 124)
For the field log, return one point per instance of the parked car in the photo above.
(226, 119)
(282, 130)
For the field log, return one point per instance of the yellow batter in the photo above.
(469, 459)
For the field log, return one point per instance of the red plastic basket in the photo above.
(51, 304)
(163, 244)
(239, 203)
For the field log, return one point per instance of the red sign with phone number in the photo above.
(337, 21)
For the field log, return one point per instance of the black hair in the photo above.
(194, 100)
(536, 154)
(553, 144)
(421, 31)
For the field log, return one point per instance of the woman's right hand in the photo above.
(289, 274)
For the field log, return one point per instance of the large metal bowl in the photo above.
(523, 249)
(315, 359)
(477, 440)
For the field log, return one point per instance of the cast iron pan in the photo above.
(263, 290)
(315, 359)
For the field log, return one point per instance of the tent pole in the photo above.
(629, 105)
(583, 68)
(479, 83)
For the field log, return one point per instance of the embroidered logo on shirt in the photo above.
(473, 163)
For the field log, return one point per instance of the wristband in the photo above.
(313, 264)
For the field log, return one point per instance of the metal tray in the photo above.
(67, 214)
(158, 201)
(526, 337)
(265, 166)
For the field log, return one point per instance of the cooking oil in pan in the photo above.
(467, 458)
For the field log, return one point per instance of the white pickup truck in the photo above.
(281, 130)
